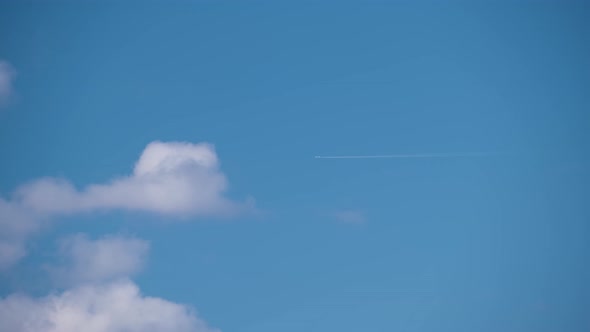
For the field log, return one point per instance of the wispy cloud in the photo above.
(7, 75)
(350, 216)
(109, 258)
(16, 225)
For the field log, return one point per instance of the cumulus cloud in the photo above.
(103, 299)
(113, 307)
(169, 178)
(108, 258)
(350, 216)
(7, 74)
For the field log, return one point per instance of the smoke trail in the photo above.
(419, 155)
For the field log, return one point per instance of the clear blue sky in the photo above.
(498, 243)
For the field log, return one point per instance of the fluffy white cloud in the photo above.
(117, 306)
(106, 259)
(169, 178)
(7, 74)
(103, 299)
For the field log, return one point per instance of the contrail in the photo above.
(419, 155)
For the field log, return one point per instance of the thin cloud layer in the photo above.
(169, 178)
(350, 216)
(105, 302)
(7, 74)
(16, 224)
(108, 258)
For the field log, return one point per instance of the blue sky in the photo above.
(494, 243)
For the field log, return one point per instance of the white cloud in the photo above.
(16, 224)
(112, 307)
(350, 216)
(106, 301)
(108, 258)
(169, 178)
(7, 74)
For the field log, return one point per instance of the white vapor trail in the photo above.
(419, 155)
